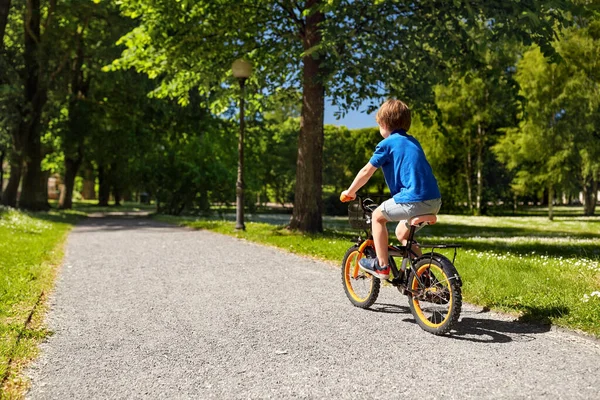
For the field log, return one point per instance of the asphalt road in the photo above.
(146, 310)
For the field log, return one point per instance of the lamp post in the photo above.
(241, 70)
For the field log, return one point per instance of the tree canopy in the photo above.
(137, 97)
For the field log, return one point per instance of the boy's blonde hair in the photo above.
(394, 114)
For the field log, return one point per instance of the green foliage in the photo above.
(193, 170)
(272, 159)
(361, 148)
(557, 138)
(408, 46)
(472, 109)
(368, 49)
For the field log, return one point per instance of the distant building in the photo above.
(54, 184)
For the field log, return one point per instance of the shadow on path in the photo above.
(123, 223)
(473, 329)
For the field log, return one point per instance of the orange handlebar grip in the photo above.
(344, 198)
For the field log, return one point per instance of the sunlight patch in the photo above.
(21, 222)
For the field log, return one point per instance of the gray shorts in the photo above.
(405, 211)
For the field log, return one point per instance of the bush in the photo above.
(333, 206)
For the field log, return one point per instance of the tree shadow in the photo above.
(542, 315)
(124, 223)
(463, 230)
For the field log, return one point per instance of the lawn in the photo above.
(539, 270)
(30, 252)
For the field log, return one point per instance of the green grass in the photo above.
(30, 251)
(543, 271)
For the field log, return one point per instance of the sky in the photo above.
(353, 119)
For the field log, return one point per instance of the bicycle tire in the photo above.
(434, 297)
(354, 278)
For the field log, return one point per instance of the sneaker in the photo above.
(371, 265)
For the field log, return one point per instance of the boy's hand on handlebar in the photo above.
(346, 196)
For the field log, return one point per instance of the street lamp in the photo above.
(241, 70)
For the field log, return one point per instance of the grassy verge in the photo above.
(30, 252)
(543, 271)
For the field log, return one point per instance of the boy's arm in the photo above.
(360, 180)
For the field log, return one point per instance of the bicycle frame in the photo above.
(409, 257)
(430, 281)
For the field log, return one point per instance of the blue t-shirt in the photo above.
(407, 172)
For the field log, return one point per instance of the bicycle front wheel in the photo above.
(435, 297)
(361, 288)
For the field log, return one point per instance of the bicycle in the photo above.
(430, 281)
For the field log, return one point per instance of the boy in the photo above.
(409, 177)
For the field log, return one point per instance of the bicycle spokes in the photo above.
(362, 289)
(431, 295)
(358, 281)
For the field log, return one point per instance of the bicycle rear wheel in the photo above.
(361, 288)
(435, 297)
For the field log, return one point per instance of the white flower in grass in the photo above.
(21, 222)
(587, 297)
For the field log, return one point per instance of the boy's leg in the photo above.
(378, 267)
(380, 236)
(402, 232)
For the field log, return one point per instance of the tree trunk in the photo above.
(33, 195)
(115, 184)
(71, 167)
(4, 10)
(479, 166)
(117, 196)
(308, 204)
(127, 195)
(9, 196)
(2, 153)
(590, 192)
(89, 183)
(73, 139)
(550, 203)
(468, 173)
(104, 186)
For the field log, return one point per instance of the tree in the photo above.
(446, 156)
(86, 35)
(580, 48)
(34, 188)
(555, 141)
(4, 144)
(276, 156)
(26, 134)
(398, 48)
(4, 10)
(473, 108)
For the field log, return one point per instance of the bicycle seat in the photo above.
(428, 219)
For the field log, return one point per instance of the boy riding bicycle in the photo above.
(409, 177)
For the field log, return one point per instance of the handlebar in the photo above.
(367, 204)
(345, 199)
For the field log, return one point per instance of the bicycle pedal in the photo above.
(403, 290)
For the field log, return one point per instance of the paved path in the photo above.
(144, 310)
